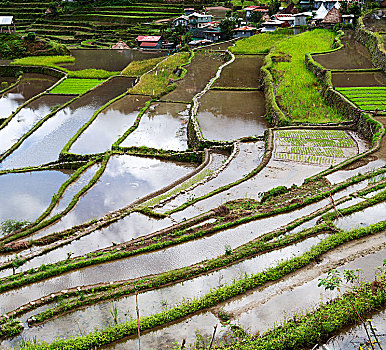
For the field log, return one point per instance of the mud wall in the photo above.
(364, 124)
(373, 42)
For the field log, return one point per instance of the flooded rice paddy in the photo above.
(25, 196)
(353, 55)
(244, 72)
(27, 117)
(224, 115)
(110, 125)
(30, 85)
(110, 60)
(349, 79)
(202, 68)
(45, 144)
(241, 114)
(163, 126)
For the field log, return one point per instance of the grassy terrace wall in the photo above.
(14, 71)
(374, 42)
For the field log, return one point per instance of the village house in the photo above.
(244, 32)
(250, 9)
(198, 20)
(333, 17)
(328, 4)
(285, 18)
(270, 26)
(301, 18)
(7, 24)
(320, 13)
(149, 42)
(188, 11)
(181, 21)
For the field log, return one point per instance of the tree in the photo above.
(228, 24)
(255, 17)
(273, 7)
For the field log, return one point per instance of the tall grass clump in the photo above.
(298, 90)
(257, 44)
(162, 79)
(137, 68)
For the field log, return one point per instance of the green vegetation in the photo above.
(75, 86)
(257, 44)
(297, 89)
(280, 338)
(162, 80)
(322, 147)
(15, 46)
(366, 98)
(137, 68)
(56, 61)
(10, 226)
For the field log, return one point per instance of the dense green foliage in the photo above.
(15, 46)
(75, 86)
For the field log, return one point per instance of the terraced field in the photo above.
(158, 199)
(367, 99)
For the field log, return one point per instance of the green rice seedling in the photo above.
(75, 86)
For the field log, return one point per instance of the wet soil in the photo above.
(25, 196)
(358, 79)
(199, 72)
(240, 114)
(30, 85)
(110, 124)
(110, 60)
(244, 72)
(8, 80)
(45, 144)
(163, 126)
(353, 55)
(27, 118)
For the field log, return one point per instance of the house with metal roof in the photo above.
(244, 32)
(7, 24)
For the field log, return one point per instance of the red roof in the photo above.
(148, 38)
(245, 28)
(148, 44)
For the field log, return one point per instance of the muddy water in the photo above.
(132, 226)
(126, 179)
(156, 262)
(363, 218)
(25, 196)
(163, 126)
(358, 79)
(351, 338)
(353, 55)
(157, 300)
(200, 71)
(244, 72)
(109, 125)
(30, 85)
(27, 118)
(274, 174)
(110, 60)
(247, 159)
(45, 144)
(8, 80)
(240, 113)
(258, 313)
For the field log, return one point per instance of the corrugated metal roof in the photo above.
(148, 38)
(6, 20)
(147, 44)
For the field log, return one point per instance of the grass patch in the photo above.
(55, 61)
(366, 98)
(162, 80)
(298, 90)
(138, 68)
(75, 86)
(260, 43)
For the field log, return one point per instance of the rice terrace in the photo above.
(194, 174)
